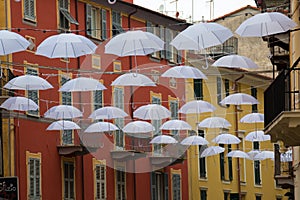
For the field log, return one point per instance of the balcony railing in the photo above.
(277, 97)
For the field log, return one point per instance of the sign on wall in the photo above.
(9, 188)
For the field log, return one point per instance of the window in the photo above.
(159, 186)
(68, 178)
(203, 194)
(169, 48)
(33, 175)
(33, 94)
(156, 123)
(229, 163)
(120, 184)
(227, 87)
(97, 98)
(117, 66)
(219, 90)
(222, 167)
(256, 163)
(258, 197)
(198, 89)
(100, 180)
(226, 195)
(65, 18)
(96, 22)
(176, 186)
(116, 23)
(202, 161)
(32, 46)
(119, 102)
(29, 12)
(254, 94)
(173, 104)
(66, 99)
(96, 61)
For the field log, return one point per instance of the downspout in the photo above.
(78, 68)
(131, 102)
(237, 135)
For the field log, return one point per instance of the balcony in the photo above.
(274, 5)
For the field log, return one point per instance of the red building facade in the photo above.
(79, 165)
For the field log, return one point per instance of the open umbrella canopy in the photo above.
(200, 36)
(28, 82)
(196, 106)
(235, 61)
(152, 112)
(66, 45)
(253, 153)
(226, 138)
(163, 139)
(63, 125)
(100, 127)
(184, 72)
(175, 124)
(11, 42)
(214, 122)
(82, 84)
(238, 154)
(19, 103)
(63, 112)
(108, 112)
(134, 43)
(263, 155)
(212, 150)
(286, 156)
(257, 136)
(133, 79)
(194, 140)
(239, 99)
(139, 129)
(253, 118)
(264, 24)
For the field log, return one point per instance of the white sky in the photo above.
(201, 7)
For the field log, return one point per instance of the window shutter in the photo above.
(26, 8)
(230, 164)
(97, 99)
(153, 186)
(176, 187)
(198, 89)
(88, 19)
(166, 185)
(254, 94)
(222, 168)
(104, 24)
(219, 89)
(31, 10)
(162, 36)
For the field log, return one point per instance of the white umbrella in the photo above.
(239, 99)
(134, 43)
(194, 140)
(139, 129)
(11, 42)
(82, 84)
(235, 61)
(184, 72)
(200, 36)
(163, 139)
(100, 127)
(264, 24)
(226, 138)
(108, 112)
(152, 112)
(19, 103)
(286, 156)
(63, 112)
(253, 118)
(263, 155)
(63, 125)
(28, 82)
(257, 136)
(66, 45)
(133, 79)
(196, 106)
(212, 150)
(214, 122)
(175, 124)
(238, 154)
(253, 153)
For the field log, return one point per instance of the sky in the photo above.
(209, 9)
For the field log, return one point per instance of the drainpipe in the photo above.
(131, 104)
(237, 135)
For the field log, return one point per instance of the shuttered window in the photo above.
(97, 98)
(34, 172)
(176, 186)
(254, 94)
(256, 164)
(100, 181)
(33, 94)
(203, 195)
(222, 167)
(96, 22)
(202, 161)
(219, 89)
(66, 99)
(65, 18)
(119, 102)
(120, 184)
(116, 23)
(230, 173)
(69, 187)
(156, 124)
(198, 89)
(29, 10)
(159, 186)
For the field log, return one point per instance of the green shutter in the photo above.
(222, 168)
(166, 186)
(88, 19)
(230, 173)
(103, 24)
(97, 96)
